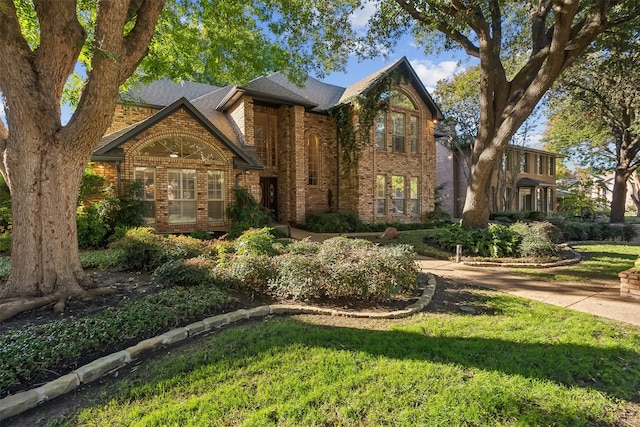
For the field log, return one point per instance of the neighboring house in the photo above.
(523, 180)
(190, 144)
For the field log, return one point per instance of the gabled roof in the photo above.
(112, 141)
(368, 83)
(163, 92)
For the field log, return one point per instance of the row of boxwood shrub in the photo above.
(29, 351)
(521, 239)
(349, 222)
(576, 231)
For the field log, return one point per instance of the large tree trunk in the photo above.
(41, 160)
(619, 196)
(476, 204)
(44, 176)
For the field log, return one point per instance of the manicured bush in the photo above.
(251, 274)
(184, 272)
(200, 234)
(256, 241)
(333, 222)
(141, 249)
(346, 268)
(629, 232)
(181, 247)
(123, 209)
(305, 246)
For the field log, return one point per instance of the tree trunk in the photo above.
(476, 205)
(619, 196)
(44, 176)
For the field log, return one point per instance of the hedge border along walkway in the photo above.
(20, 402)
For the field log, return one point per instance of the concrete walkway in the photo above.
(600, 301)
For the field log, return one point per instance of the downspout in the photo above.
(118, 176)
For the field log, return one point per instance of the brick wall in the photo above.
(125, 115)
(182, 124)
(630, 284)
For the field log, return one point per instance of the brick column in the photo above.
(299, 190)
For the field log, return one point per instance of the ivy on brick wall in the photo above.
(356, 116)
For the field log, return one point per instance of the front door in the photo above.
(269, 194)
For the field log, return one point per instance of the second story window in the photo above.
(524, 163)
(398, 131)
(381, 137)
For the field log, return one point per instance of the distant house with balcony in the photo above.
(524, 179)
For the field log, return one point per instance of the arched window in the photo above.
(313, 158)
(401, 100)
(179, 148)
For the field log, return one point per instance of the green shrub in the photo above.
(5, 242)
(5, 268)
(201, 234)
(574, 231)
(535, 239)
(141, 249)
(184, 272)
(629, 232)
(251, 274)
(92, 231)
(305, 246)
(181, 247)
(333, 222)
(494, 241)
(122, 210)
(346, 268)
(254, 241)
(247, 213)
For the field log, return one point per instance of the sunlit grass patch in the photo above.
(529, 364)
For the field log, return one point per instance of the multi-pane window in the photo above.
(540, 164)
(552, 166)
(398, 132)
(313, 157)
(381, 195)
(381, 140)
(413, 134)
(507, 159)
(265, 137)
(215, 196)
(524, 163)
(179, 148)
(145, 179)
(550, 204)
(540, 199)
(181, 192)
(413, 194)
(398, 194)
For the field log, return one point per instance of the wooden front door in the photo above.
(269, 194)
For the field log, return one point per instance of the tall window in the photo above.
(381, 140)
(265, 137)
(540, 164)
(145, 178)
(415, 202)
(381, 195)
(397, 194)
(398, 132)
(181, 192)
(552, 166)
(313, 158)
(413, 135)
(524, 163)
(215, 196)
(550, 203)
(540, 199)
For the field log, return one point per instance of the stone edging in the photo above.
(18, 403)
(576, 259)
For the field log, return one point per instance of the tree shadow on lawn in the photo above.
(614, 371)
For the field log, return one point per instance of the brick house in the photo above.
(190, 144)
(523, 180)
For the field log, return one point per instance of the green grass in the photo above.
(601, 264)
(527, 364)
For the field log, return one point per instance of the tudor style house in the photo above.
(189, 144)
(524, 179)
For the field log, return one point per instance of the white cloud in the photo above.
(431, 73)
(360, 17)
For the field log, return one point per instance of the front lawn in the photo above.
(520, 363)
(601, 264)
